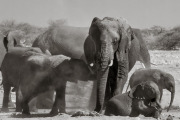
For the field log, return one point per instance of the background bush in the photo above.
(159, 38)
(156, 37)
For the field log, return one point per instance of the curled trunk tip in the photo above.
(172, 99)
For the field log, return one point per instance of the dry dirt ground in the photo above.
(168, 61)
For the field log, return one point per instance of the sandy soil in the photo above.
(168, 61)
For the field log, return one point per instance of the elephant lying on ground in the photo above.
(114, 38)
(142, 99)
(162, 79)
(39, 73)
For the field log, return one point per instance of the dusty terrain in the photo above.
(168, 61)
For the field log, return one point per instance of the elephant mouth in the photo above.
(148, 102)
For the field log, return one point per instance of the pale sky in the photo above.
(139, 13)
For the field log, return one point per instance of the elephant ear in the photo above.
(92, 40)
(89, 50)
(94, 30)
(94, 20)
(57, 60)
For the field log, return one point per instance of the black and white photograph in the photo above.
(90, 59)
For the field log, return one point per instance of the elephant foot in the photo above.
(98, 110)
(54, 112)
(25, 112)
(4, 110)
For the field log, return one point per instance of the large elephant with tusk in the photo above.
(111, 50)
(76, 42)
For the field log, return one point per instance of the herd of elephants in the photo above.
(106, 52)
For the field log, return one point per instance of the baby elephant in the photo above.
(162, 79)
(142, 99)
(39, 73)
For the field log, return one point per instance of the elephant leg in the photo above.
(25, 107)
(7, 88)
(54, 110)
(144, 56)
(112, 79)
(59, 103)
(107, 93)
(18, 103)
(122, 75)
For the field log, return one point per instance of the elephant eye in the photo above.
(114, 41)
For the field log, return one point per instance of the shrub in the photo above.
(165, 40)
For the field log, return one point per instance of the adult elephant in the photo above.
(69, 41)
(111, 49)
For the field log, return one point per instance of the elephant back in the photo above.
(64, 40)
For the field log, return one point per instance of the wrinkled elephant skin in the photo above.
(69, 41)
(136, 102)
(162, 79)
(40, 73)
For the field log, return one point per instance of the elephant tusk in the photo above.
(143, 65)
(92, 64)
(111, 63)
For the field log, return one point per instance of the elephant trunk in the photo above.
(172, 99)
(101, 87)
(158, 98)
(102, 75)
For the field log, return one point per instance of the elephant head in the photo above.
(109, 40)
(147, 91)
(169, 84)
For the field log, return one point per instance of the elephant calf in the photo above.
(39, 73)
(142, 99)
(162, 79)
(10, 68)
